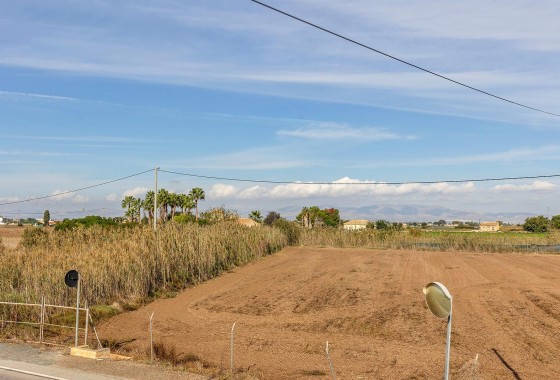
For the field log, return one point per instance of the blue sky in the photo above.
(93, 91)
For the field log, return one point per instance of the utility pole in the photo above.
(155, 200)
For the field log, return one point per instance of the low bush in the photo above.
(34, 237)
(290, 229)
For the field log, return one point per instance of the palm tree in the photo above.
(173, 203)
(148, 205)
(127, 203)
(163, 203)
(197, 194)
(186, 202)
(135, 209)
(256, 216)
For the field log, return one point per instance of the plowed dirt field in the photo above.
(369, 305)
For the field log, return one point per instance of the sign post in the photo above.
(440, 303)
(72, 280)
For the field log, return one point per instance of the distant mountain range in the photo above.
(417, 213)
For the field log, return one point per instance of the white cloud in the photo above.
(137, 191)
(541, 153)
(112, 197)
(13, 95)
(275, 59)
(394, 80)
(223, 191)
(335, 131)
(266, 158)
(253, 192)
(535, 186)
(103, 139)
(71, 197)
(343, 187)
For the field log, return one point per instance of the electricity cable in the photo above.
(401, 60)
(75, 190)
(358, 183)
(276, 183)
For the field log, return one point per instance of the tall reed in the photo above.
(131, 263)
(425, 240)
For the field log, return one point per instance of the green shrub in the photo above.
(88, 221)
(291, 230)
(536, 224)
(184, 218)
(34, 237)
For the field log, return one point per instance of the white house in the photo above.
(489, 226)
(355, 224)
(2, 221)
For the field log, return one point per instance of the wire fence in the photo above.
(233, 359)
(51, 324)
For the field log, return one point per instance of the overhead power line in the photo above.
(274, 183)
(402, 60)
(358, 183)
(75, 190)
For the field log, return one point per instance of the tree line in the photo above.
(541, 223)
(168, 204)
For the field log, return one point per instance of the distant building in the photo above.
(247, 222)
(489, 226)
(355, 224)
(2, 221)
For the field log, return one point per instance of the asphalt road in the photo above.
(39, 362)
(35, 363)
(13, 375)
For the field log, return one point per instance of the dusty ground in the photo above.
(11, 235)
(369, 305)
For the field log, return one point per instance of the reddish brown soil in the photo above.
(369, 305)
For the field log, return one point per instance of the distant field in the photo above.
(11, 235)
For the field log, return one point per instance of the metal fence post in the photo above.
(151, 339)
(77, 313)
(231, 349)
(87, 324)
(329, 359)
(42, 319)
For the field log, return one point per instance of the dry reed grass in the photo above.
(425, 240)
(130, 264)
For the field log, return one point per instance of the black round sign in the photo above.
(71, 278)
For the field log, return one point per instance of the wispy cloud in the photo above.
(40, 154)
(266, 158)
(61, 195)
(538, 153)
(546, 152)
(274, 61)
(334, 131)
(12, 95)
(91, 139)
(112, 197)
